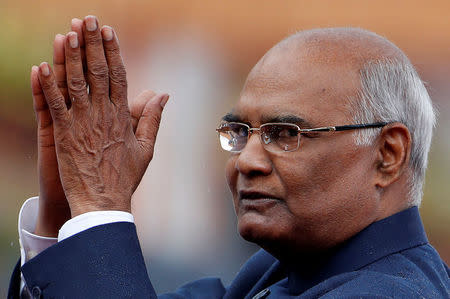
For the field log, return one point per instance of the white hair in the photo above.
(391, 91)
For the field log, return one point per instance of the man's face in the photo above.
(319, 195)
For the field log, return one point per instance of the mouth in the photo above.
(256, 199)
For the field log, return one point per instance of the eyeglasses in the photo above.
(275, 137)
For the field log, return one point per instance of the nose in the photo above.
(254, 159)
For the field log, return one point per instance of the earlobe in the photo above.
(393, 153)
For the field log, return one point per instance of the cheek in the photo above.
(327, 189)
(327, 168)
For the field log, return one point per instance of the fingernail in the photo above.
(91, 23)
(44, 69)
(73, 39)
(58, 36)
(74, 21)
(107, 33)
(34, 68)
(164, 101)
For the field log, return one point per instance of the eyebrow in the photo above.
(230, 117)
(288, 118)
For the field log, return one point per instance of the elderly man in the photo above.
(329, 142)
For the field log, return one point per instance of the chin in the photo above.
(256, 228)
(278, 236)
(266, 234)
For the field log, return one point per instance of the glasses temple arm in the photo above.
(361, 126)
(346, 127)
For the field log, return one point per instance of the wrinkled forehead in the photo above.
(314, 74)
(288, 81)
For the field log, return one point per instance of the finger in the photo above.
(43, 117)
(137, 106)
(59, 66)
(148, 125)
(77, 26)
(76, 83)
(117, 74)
(53, 96)
(97, 68)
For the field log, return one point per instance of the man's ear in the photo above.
(394, 148)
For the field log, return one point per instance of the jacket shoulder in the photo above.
(417, 272)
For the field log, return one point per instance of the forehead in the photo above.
(317, 87)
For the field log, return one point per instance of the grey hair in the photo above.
(392, 91)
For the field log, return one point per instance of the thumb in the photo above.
(137, 106)
(148, 125)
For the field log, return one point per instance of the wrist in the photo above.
(51, 216)
(82, 208)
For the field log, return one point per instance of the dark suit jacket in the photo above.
(389, 259)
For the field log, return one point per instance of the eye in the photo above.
(233, 136)
(280, 131)
(287, 132)
(238, 130)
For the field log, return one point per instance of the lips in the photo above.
(256, 201)
(256, 195)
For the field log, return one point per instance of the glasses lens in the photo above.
(233, 136)
(280, 137)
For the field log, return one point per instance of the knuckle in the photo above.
(77, 86)
(123, 114)
(73, 57)
(46, 85)
(57, 104)
(112, 51)
(93, 40)
(118, 75)
(98, 71)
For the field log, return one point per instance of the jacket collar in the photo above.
(390, 235)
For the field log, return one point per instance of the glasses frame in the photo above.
(300, 131)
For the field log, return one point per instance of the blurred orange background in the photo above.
(200, 53)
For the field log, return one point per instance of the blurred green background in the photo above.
(200, 52)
